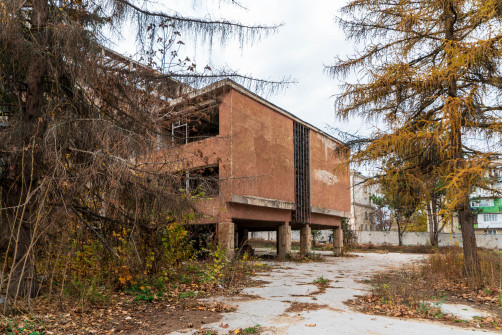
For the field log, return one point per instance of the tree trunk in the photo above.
(432, 215)
(431, 224)
(464, 211)
(23, 281)
(466, 220)
(399, 232)
(435, 217)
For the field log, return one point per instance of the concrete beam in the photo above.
(262, 202)
(226, 238)
(284, 241)
(281, 204)
(330, 212)
(305, 240)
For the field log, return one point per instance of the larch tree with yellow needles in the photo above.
(430, 73)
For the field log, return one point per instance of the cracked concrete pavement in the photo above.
(268, 304)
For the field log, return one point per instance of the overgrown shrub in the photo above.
(449, 265)
(74, 265)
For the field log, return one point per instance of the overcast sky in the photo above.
(308, 40)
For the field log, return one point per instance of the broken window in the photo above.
(195, 128)
(203, 127)
(179, 133)
(203, 182)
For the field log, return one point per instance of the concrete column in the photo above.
(226, 238)
(305, 240)
(337, 241)
(284, 241)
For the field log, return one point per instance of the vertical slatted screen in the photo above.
(301, 141)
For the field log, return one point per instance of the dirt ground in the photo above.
(292, 298)
(166, 322)
(291, 301)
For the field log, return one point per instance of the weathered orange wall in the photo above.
(255, 155)
(330, 183)
(262, 149)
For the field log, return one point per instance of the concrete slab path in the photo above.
(268, 305)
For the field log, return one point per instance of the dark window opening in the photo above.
(202, 182)
(204, 127)
(192, 129)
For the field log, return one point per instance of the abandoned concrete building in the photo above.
(258, 168)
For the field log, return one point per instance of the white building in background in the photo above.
(488, 204)
(361, 206)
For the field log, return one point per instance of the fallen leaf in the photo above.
(223, 325)
(310, 325)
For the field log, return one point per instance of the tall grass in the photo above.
(419, 291)
(449, 265)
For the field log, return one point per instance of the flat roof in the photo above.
(232, 84)
(218, 85)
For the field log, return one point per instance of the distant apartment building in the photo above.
(258, 168)
(361, 207)
(487, 205)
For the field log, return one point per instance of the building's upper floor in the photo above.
(255, 150)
